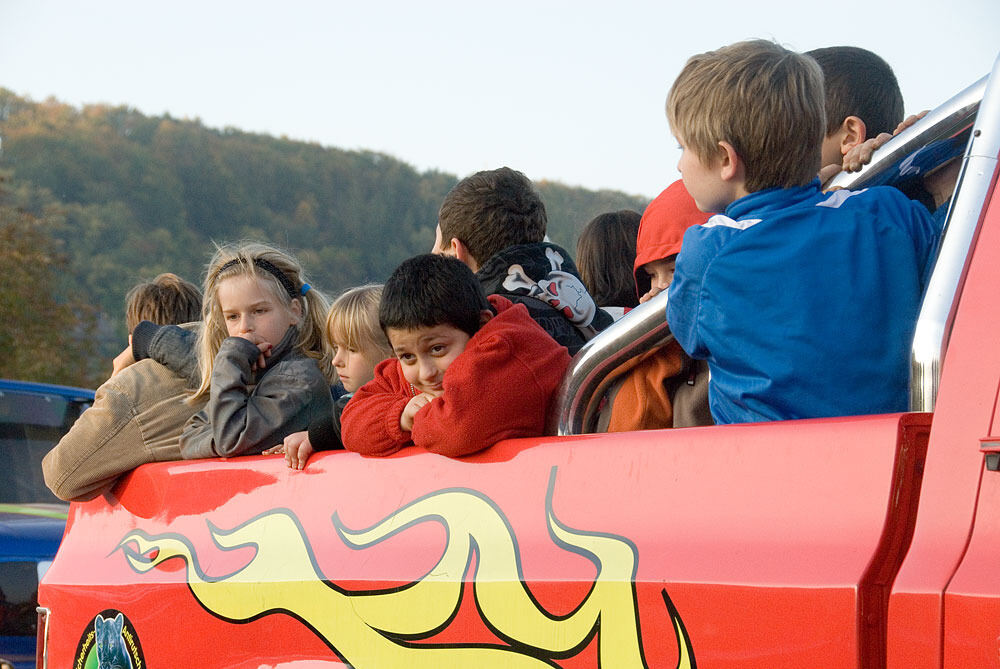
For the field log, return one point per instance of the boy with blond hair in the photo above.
(802, 302)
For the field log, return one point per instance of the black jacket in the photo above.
(542, 277)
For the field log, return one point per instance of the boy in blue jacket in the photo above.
(803, 303)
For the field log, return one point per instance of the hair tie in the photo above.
(271, 269)
(305, 288)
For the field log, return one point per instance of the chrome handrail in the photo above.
(645, 327)
(638, 331)
(965, 215)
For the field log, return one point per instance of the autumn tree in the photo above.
(43, 337)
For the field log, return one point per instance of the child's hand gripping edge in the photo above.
(296, 448)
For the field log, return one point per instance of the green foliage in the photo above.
(44, 336)
(126, 196)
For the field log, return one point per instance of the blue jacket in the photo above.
(804, 303)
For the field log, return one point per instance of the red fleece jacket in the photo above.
(499, 387)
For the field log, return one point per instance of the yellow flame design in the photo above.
(369, 629)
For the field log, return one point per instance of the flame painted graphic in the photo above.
(376, 628)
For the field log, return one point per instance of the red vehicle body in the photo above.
(848, 542)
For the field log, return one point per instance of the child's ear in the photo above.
(296, 309)
(484, 317)
(852, 133)
(730, 163)
(461, 251)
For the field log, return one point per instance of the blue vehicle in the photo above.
(33, 417)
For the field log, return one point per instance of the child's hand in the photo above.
(123, 359)
(828, 173)
(296, 448)
(861, 155)
(264, 346)
(274, 450)
(410, 410)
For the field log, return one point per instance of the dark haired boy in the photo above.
(468, 372)
(862, 95)
(494, 221)
(803, 303)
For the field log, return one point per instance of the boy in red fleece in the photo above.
(468, 371)
(662, 387)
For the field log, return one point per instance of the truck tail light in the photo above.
(42, 639)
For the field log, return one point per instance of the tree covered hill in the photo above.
(120, 197)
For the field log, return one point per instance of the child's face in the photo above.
(661, 274)
(251, 310)
(703, 182)
(353, 367)
(426, 352)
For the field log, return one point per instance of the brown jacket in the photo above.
(137, 417)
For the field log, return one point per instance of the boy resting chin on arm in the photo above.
(468, 372)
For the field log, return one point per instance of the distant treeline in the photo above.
(110, 197)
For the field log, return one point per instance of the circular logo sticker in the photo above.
(109, 641)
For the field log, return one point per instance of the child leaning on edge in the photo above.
(261, 352)
(359, 344)
(803, 303)
(468, 371)
(662, 387)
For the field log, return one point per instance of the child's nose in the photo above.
(428, 370)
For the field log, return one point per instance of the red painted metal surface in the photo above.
(771, 542)
(918, 614)
(972, 600)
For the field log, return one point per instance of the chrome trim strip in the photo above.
(965, 215)
(44, 650)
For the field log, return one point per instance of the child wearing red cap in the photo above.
(662, 387)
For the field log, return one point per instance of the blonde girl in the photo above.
(265, 365)
(359, 345)
(353, 330)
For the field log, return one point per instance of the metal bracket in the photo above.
(990, 447)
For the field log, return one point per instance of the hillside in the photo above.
(117, 197)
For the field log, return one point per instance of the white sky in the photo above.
(567, 91)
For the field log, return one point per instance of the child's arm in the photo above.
(237, 421)
(501, 389)
(173, 346)
(370, 424)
